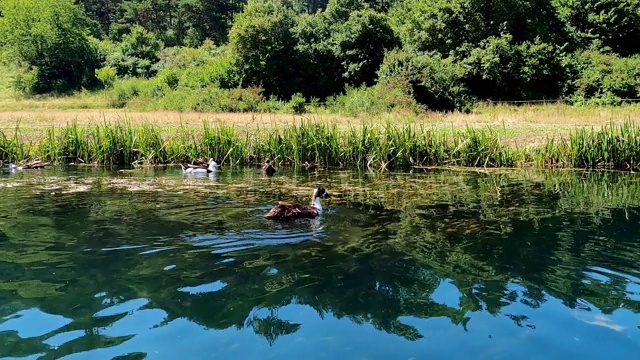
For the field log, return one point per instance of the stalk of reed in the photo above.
(391, 146)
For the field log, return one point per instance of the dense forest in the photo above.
(411, 54)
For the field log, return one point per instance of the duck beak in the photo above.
(327, 195)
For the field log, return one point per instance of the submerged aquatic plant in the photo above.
(359, 145)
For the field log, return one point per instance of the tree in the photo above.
(264, 47)
(431, 80)
(500, 69)
(52, 39)
(446, 25)
(135, 55)
(361, 43)
(615, 23)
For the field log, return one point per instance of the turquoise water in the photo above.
(438, 264)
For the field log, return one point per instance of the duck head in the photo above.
(320, 193)
(213, 165)
(317, 194)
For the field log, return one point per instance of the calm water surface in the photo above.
(146, 264)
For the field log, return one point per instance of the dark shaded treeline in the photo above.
(499, 242)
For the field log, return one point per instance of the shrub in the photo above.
(123, 91)
(431, 80)
(170, 78)
(52, 39)
(381, 98)
(220, 72)
(107, 76)
(135, 55)
(500, 69)
(603, 78)
(181, 58)
(297, 103)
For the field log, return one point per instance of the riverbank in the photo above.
(376, 145)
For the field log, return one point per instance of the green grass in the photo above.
(388, 146)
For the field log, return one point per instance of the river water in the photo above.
(433, 264)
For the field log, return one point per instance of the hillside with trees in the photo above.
(234, 55)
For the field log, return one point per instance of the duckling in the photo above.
(197, 170)
(284, 211)
(268, 169)
(311, 166)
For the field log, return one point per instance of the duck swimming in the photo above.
(268, 169)
(199, 169)
(28, 166)
(284, 210)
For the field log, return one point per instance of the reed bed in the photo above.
(387, 146)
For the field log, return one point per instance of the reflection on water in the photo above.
(100, 264)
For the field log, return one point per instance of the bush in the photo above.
(263, 47)
(431, 80)
(26, 82)
(135, 55)
(182, 58)
(297, 104)
(107, 76)
(361, 43)
(52, 39)
(381, 98)
(500, 69)
(220, 72)
(170, 77)
(603, 78)
(123, 91)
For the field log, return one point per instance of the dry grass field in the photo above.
(522, 125)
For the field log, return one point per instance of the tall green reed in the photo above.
(389, 146)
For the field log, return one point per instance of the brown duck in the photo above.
(284, 211)
(268, 169)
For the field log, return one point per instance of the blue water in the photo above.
(146, 264)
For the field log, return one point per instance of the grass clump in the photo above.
(386, 146)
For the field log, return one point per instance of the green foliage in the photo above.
(320, 67)
(614, 23)
(219, 71)
(378, 99)
(433, 81)
(406, 55)
(263, 45)
(107, 76)
(183, 58)
(361, 43)
(123, 91)
(501, 69)
(604, 78)
(297, 103)
(135, 55)
(51, 39)
(26, 82)
(446, 25)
